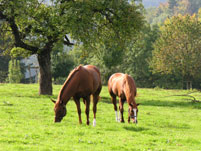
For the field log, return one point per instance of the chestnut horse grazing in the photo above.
(82, 82)
(123, 86)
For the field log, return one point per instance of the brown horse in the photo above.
(123, 86)
(82, 82)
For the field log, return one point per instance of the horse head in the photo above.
(60, 110)
(133, 111)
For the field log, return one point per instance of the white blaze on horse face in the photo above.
(116, 116)
(135, 114)
(94, 122)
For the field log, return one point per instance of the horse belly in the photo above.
(116, 89)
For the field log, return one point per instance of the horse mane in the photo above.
(129, 86)
(70, 76)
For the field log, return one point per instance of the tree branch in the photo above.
(67, 41)
(187, 95)
(105, 14)
(18, 40)
(2, 16)
(16, 33)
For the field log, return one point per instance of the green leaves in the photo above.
(18, 51)
(178, 48)
(14, 75)
(95, 21)
(89, 22)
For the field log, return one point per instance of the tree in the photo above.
(110, 59)
(3, 68)
(137, 56)
(188, 7)
(62, 64)
(194, 6)
(171, 5)
(4, 59)
(178, 50)
(158, 15)
(107, 56)
(37, 27)
(14, 75)
(199, 14)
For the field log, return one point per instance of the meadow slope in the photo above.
(165, 122)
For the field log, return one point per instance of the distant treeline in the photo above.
(152, 3)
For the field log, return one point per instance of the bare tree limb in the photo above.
(16, 33)
(67, 41)
(18, 40)
(193, 99)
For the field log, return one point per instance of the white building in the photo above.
(32, 68)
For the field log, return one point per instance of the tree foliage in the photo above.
(62, 64)
(37, 27)
(132, 60)
(3, 68)
(137, 57)
(171, 5)
(178, 50)
(14, 75)
(172, 8)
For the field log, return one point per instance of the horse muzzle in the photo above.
(57, 120)
(134, 121)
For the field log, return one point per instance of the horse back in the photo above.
(91, 75)
(130, 86)
(121, 85)
(115, 84)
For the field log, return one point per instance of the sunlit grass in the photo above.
(166, 122)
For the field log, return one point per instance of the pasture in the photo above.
(164, 123)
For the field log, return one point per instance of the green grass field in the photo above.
(165, 123)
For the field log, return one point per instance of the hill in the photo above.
(152, 3)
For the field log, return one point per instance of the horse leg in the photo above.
(95, 101)
(129, 118)
(87, 104)
(115, 106)
(121, 109)
(77, 102)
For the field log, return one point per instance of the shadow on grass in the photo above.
(106, 100)
(37, 96)
(6, 103)
(135, 128)
(160, 103)
(176, 126)
(171, 104)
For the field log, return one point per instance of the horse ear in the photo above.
(53, 100)
(138, 104)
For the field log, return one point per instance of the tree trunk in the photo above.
(45, 79)
(188, 85)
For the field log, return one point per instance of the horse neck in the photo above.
(68, 89)
(131, 100)
(130, 93)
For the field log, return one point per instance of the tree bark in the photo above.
(188, 85)
(45, 78)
